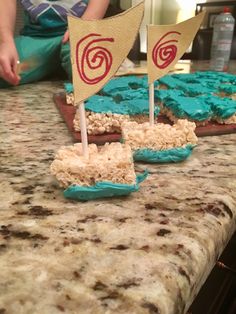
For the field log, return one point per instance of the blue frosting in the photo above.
(222, 77)
(103, 189)
(194, 89)
(162, 94)
(139, 106)
(131, 94)
(163, 156)
(69, 88)
(189, 107)
(170, 81)
(228, 88)
(186, 77)
(103, 104)
(122, 83)
(221, 107)
(191, 78)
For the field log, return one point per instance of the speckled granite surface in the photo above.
(147, 253)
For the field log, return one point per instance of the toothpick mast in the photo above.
(83, 130)
(151, 104)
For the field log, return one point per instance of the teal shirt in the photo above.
(48, 18)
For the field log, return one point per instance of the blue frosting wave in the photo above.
(103, 189)
(69, 88)
(163, 156)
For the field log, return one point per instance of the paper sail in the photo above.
(167, 44)
(99, 47)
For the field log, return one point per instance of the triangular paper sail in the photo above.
(98, 48)
(167, 44)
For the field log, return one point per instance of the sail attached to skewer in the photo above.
(99, 47)
(167, 44)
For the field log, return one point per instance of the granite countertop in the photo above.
(146, 253)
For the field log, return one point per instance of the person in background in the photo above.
(43, 41)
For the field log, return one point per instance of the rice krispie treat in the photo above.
(161, 142)
(104, 115)
(194, 109)
(223, 109)
(69, 93)
(107, 171)
(111, 162)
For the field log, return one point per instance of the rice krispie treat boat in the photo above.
(160, 143)
(108, 171)
(104, 115)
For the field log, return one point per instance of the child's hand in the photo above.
(65, 38)
(8, 62)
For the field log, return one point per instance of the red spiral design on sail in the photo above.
(91, 55)
(165, 51)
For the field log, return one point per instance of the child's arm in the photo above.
(96, 9)
(8, 53)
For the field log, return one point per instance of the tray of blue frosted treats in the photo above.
(188, 100)
(123, 107)
(114, 105)
(200, 97)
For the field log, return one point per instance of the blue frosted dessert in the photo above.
(223, 109)
(104, 115)
(107, 171)
(160, 143)
(190, 108)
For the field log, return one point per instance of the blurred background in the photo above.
(170, 12)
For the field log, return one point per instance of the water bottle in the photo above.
(223, 30)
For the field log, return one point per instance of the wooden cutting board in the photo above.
(68, 112)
